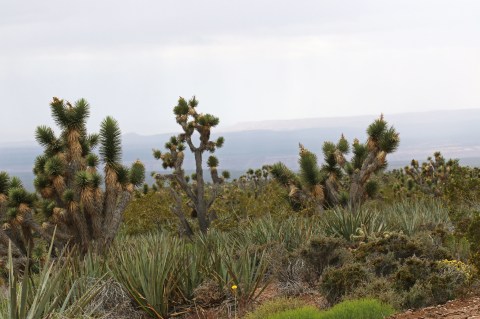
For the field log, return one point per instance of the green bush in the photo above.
(380, 289)
(358, 309)
(323, 252)
(336, 282)
(274, 306)
(148, 213)
(413, 270)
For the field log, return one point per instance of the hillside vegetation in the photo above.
(343, 235)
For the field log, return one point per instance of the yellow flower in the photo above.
(234, 287)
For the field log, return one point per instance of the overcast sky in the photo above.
(245, 60)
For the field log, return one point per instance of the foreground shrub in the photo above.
(323, 252)
(337, 282)
(358, 309)
(274, 306)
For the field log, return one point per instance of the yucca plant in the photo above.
(149, 267)
(340, 222)
(338, 181)
(53, 292)
(68, 180)
(200, 201)
(19, 226)
(430, 177)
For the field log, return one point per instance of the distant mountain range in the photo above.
(253, 144)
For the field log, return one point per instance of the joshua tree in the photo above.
(67, 179)
(432, 176)
(199, 200)
(18, 224)
(339, 181)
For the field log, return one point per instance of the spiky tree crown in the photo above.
(66, 173)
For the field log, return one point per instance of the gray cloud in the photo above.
(244, 59)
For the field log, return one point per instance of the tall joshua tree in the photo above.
(199, 199)
(67, 177)
(339, 181)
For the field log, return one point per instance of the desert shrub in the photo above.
(148, 213)
(292, 277)
(358, 309)
(414, 269)
(420, 295)
(274, 306)
(377, 288)
(423, 244)
(344, 223)
(323, 252)
(426, 282)
(383, 264)
(305, 312)
(473, 236)
(398, 244)
(336, 282)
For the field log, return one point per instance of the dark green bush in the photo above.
(337, 282)
(323, 252)
(413, 270)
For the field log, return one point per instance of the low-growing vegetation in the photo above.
(364, 240)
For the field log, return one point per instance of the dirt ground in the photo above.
(455, 309)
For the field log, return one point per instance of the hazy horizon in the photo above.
(245, 60)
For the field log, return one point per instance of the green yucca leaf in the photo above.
(93, 140)
(226, 174)
(173, 140)
(343, 198)
(193, 102)
(181, 147)
(137, 173)
(220, 141)
(40, 182)
(54, 166)
(92, 160)
(389, 141)
(360, 152)
(58, 113)
(328, 148)
(39, 165)
(343, 145)
(123, 174)
(45, 136)
(212, 161)
(95, 180)
(18, 195)
(157, 154)
(4, 182)
(47, 208)
(16, 182)
(82, 179)
(309, 171)
(208, 120)
(181, 108)
(377, 129)
(68, 196)
(110, 142)
(79, 115)
(284, 175)
(194, 176)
